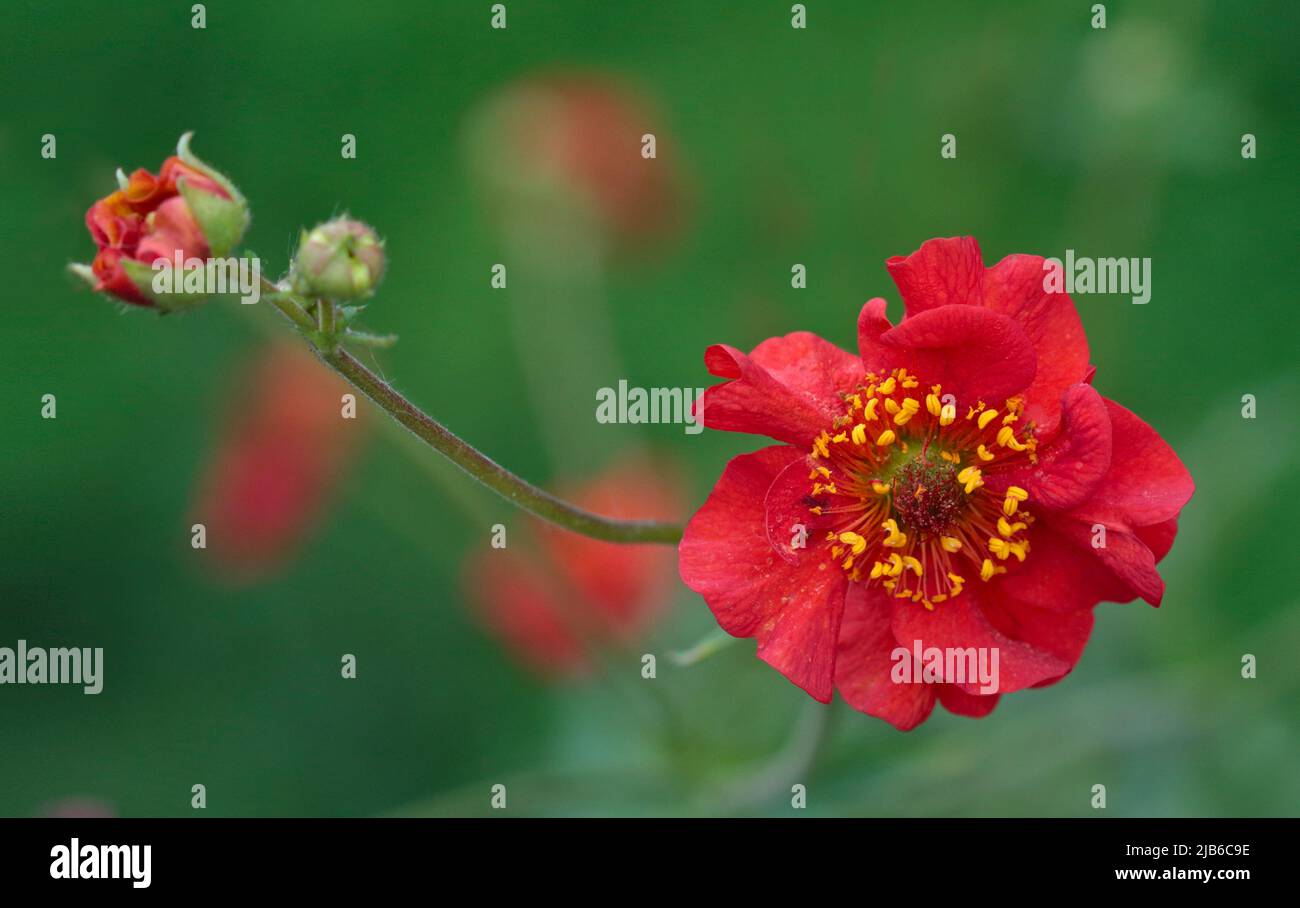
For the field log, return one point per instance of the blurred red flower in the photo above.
(575, 140)
(552, 596)
(951, 480)
(281, 451)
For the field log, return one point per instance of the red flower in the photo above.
(953, 480)
(150, 217)
(552, 596)
(281, 454)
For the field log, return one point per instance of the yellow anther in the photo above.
(913, 564)
(853, 539)
(859, 434)
(886, 438)
(891, 406)
(876, 570)
(894, 537)
(942, 597)
(888, 386)
(1009, 529)
(1010, 418)
(950, 543)
(820, 446)
(970, 477)
(1017, 493)
(841, 438)
(1009, 506)
(848, 563)
(902, 417)
(816, 510)
(870, 412)
(880, 488)
(825, 472)
(983, 453)
(932, 404)
(895, 565)
(950, 457)
(903, 594)
(987, 417)
(988, 569)
(957, 580)
(928, 605)
(856, 401)
(948, 415)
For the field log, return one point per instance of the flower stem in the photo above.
(513, 488)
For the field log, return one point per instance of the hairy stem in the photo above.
(513, 488)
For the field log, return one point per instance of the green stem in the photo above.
(514, 489)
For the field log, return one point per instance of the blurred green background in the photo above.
(818, 146)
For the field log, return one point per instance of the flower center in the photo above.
(900, 480)
(927, 495)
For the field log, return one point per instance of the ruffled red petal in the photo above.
(787, 388)
(961, 623)
(1146, 483)
(793, 608)
(960, 703)
(1014, 287)
(976, 354)
(865, 663)
(1072, 465)
(942, 272)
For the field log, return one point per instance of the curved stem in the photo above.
(513, 488)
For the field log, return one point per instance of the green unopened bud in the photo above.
(341, 259)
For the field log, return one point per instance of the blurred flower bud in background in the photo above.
(342, 259)
(573, 151)
(281, 451)
(188, 209)
(553, 597)
(77, 808)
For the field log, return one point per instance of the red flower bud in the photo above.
(188, 208)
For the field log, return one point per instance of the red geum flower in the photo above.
(553, 597)
(281, 453)
(954, 481)
(187, 208)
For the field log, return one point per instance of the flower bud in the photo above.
(188, 209)
(342, 259)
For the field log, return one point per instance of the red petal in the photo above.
(960, 623)
(942, 272)
(1071, 466)
(792, 609)
(1014, 287)
(1064, 635)
(1159, 537)
(787, 389)
(974, 353)
(1127, 556)
(1059, 575)
(864, 667)
(1146, 484)
(960, 703)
